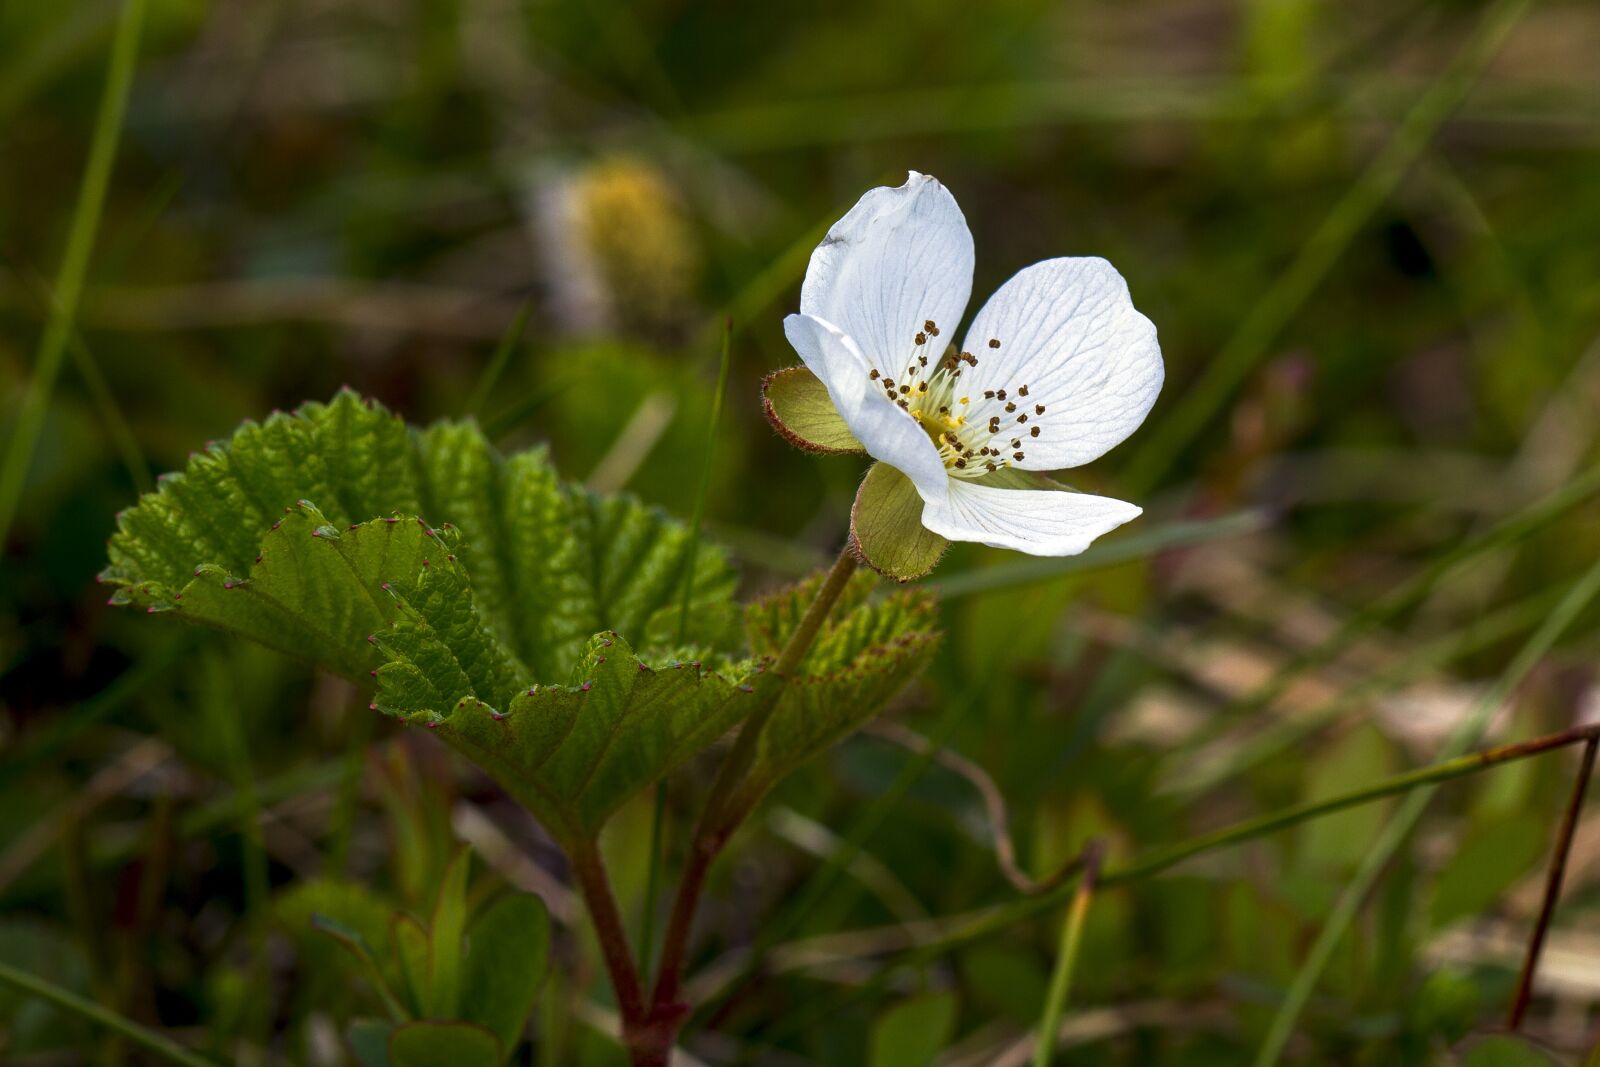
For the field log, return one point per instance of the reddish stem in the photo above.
(590, 873)
(717, 821)
(1552, 886)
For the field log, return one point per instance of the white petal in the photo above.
(883, 428)
(1068, 331)
(900, 258)
(1042, 522)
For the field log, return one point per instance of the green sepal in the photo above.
(886, 528)
(800, 409)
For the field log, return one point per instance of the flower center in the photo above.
(974, 436)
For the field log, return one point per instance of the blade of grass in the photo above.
(1508, 531)
(509, 418)
(49, 52)
(68, 724)
(1411, 592)
(804, 898)
(116, 425)
(341, 824)
(68, 289)
(67, 1000)
(638, 437)
(1194, 773)
(813, 890)
(973, 926)
(497, 363)
(697, 515)
(105, 402)
(1250, 343)
(1404, 821)
(226, 722)
(647, 919)
(782, 272)
(1066, 956)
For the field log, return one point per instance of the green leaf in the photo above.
(1447, 1005)
(443, 1044)
(444, 938)
(865, 653)
(912, 1032)
(302, 533)
(410, 942)
(358, 947)
(1339, 840)
(886, 526)
(1506, 1051)
(1491, 859)
(29, 1024)
(800, 409)
(560, 748)
(508, 954)
(552, 563)
(535, 627)
(369, 1041)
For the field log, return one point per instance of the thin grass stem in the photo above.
(145, 1038)
(1205, 398)
(1404, 821)
(1067, 956)
(68, 289)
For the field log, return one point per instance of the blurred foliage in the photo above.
(311, 193)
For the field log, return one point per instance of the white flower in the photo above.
(1056, 369)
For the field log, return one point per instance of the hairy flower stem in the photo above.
(718, 820)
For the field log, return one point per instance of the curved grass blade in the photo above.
(1410, 812)
(1252, 341)
(68, 289)
(144, 1037)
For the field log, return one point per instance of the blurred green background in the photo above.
(1366, 233)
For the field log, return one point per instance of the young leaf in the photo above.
(444, 939)
(369, 1041)
(1506, 1050)
(865, 654)
(358, 948)
(508, 953)
(574, 753)
(410, 943)
(912, 1032)
(443, 1044)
